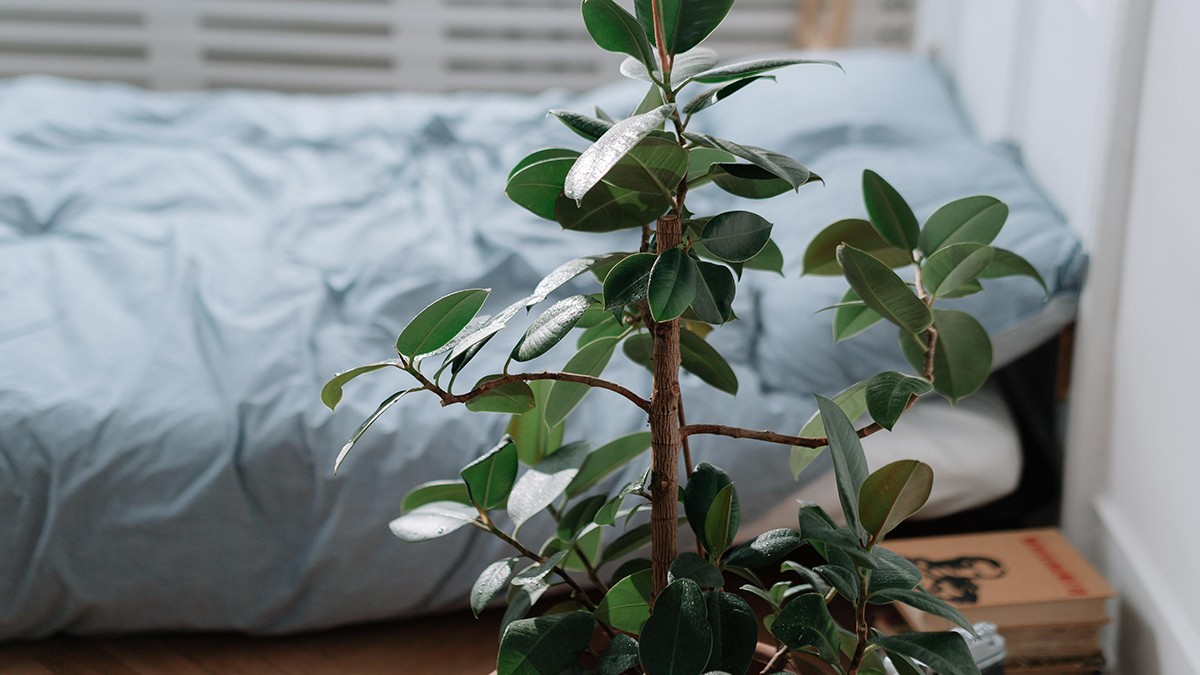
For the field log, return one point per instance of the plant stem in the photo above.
(599, 383)
(779, 654)
(861, 629)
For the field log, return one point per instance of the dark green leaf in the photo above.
(628, 281)
(715, 291)
(710, 97)
(564, 396)
(608, 458)
(551, 327)
(685, 22)
(805, 622)
(629, 568)
(735, 633)
(972, 219)
(490, 478)
(921, 599)
(967, 289)
(888, 394)
(892, 494)
(626, 606)
(844, 579)
(640, 349)
(583, 125)
(607, 515)
(672, 284)
(362, 428)
(701, 490)
(778, 165)
(511, 398)
(946, 653)
(543, 483)
(435, 325)
(952, 266)
(688, 565)
(769, 259)
(609, 328)
(538, 571)
(821, 255)
(621, 655)
(750, 181)
(702, 360)
(520, 600)
(852, 400)
(579, 516)
(849, 463)
(331, 393)
(738, 71)
(700, 160)
(435, 491)
(883, 291)
(890, 214)
(962, 357)
(654, 166)
(853, 317)
(546, 645)
(537, 181)
(676, 639)
(431, 521)
(736, 236)
(607, 208)
(721, 523)
(1006, 264)
(892, 572)
(489, 583)
(817, 528)
(765, 549)
(616, 30)
(630, 541)
(811, 578)
(604, 154)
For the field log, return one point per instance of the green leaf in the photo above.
(583, 125)
(362, 428)
(607, 515)
(892, 494)
(564, 396)
(536, 572)
(431, 521)
(606, 459)
(962, 357)
(954, 265)
(888, 394)
(550, 327)
(765, 549)
(604, 154)
(655, 166)
(844, 579)
(892, 572)
(890, 214)
(710, 97)
(736, 236)
(578, 517)
(750, 181)
(621, 655)
(770, 259)
(685, 22)
(702, 360)
(520, 600)
(817, 528)
(544, 482)
(626, 606)
(701, 490)
(688, 565)
(1006, 264)
(735, 633)
(490, 478)
(607, 208)
(738, 71)
(852, 400)
(537, 180)
(852, 317)
(628, 281)
(534, 438)
(609, 328)
(331, 393)
(633, 539)
(805, 622)
(616, 30)
(435, 325)
(511, 398)
(435, 491)
(588, 545)
(778, 165)
(721, 523)
(821, 255)
(490, 582)
(701, 160)
(883, 291)
(672, 284)
(546, 645)
(973, 219)
(849, 463)
(946, 653)
(715, 290)
(921, 599)
(676, 639)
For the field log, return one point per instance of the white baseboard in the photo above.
(1154, 636)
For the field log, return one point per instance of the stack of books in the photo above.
(1046, 600)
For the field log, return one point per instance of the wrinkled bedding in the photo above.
(180, 273)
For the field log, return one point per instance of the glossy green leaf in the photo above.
(435, 491)
(546, 645)
(564, 396)
(893, 493)
(640, 349)
(534, 438)
(767, 548)
(609, 328)
(676, 639)
(538, 571)
(626, 606)
(702, 360)
(620, 656)
(511, 398)
(852, 317)
(954, 265)
(738, 71)
(962, 357)
(685, 22)
(631, 540)
(735, 633)
(607, 208)
(435, 325)
(778, 165)
(888, 394)
(821, 255)
(890, 214)
(688, 565)
(710, 97)
(750, 181)
(628, 281)
(654, 166)
(606, 459)
(736, 236)
(883, 291)
(490, 478)
(362, 428)
(715, 290)
(604, 154)
(701, 160)
(721, 523)
(921, 599)
(946, 653)
(849, 462)
(588, 545)
(852, 400)
(537, 181)
(701, 490)
(331, 393)
(973, 219)
(817, 528)
(607, 515)
(672, 284)
(583, 125)
(616, 30)
(520, 600)
(578, 517)
(538, 487)
(550, 327)
(805, 622)
(491, 582)
(892, 572)
(432, 520)
(1006, 264)
(770, 259)
(843, 579)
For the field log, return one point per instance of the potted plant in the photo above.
(672, 614)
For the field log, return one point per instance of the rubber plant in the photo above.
(673, 614)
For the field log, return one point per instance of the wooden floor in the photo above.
(445, 645)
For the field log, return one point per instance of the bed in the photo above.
(182, 271)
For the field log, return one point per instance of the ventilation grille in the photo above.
(336, 45)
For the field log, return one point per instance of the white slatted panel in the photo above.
(336, 45)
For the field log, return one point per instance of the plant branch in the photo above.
(861, 628)
(778, 656)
